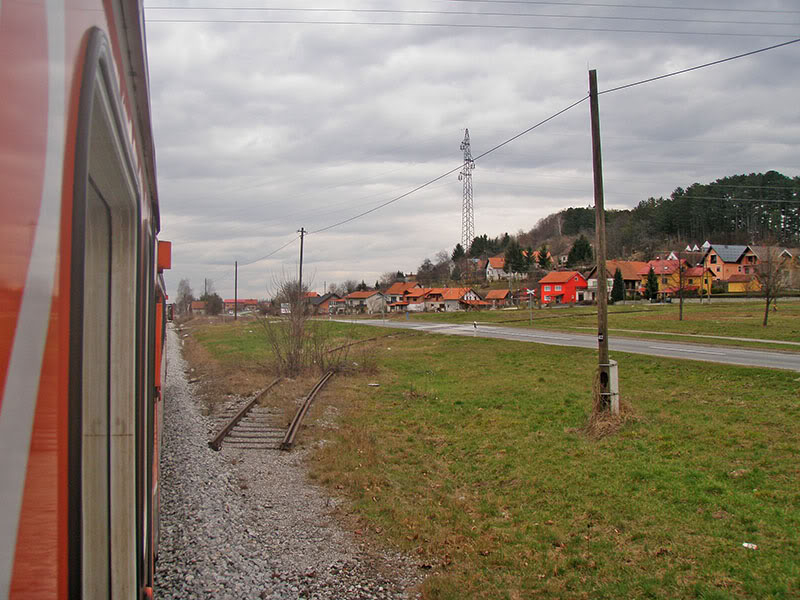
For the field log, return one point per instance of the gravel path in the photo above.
(247, 524)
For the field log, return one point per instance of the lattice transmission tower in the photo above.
(467, 214)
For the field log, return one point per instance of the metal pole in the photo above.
(235, 290)
(600, 227)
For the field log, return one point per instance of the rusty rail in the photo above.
(294, 426)
(372, 339)
(216, 443)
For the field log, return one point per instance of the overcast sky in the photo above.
(264, 128)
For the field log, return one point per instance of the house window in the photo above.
(547, 288)
(547, 298)
(664, 280)
(717, 269)
(558, 288)
(739, 269)
(691, 281)
(713, 259)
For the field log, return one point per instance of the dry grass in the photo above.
(472, 457)
(602, 422)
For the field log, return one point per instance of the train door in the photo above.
(103, 432)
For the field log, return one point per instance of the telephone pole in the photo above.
(600, 228)
(235, 290)
(302, 233)
(467, 214)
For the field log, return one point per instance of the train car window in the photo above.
(106, 214)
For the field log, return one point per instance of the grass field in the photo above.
(726, 319)
(470, 455)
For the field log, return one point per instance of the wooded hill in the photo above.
(760, 208)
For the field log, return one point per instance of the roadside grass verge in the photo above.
(469, 455)
(716, 319)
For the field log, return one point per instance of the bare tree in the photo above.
(287, 336)
(772, 276)
(185, 296)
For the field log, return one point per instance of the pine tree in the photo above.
(651, 288)
(581, 252)
(544, 259)
(618, 289)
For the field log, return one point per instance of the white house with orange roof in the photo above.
(371, 301)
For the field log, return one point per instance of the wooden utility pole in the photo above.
(235, 290)
(302, 233)
(600, 230)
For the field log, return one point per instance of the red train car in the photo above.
(81, 302)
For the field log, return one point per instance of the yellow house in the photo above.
(739, 283)
(696, 280)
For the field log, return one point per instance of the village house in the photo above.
(415, 300)
(698, 279)
(630, 278)
(498, 298)
(243, 304)
(741, 283)
(462, 299)
(397, 291)
(495, 268)
(321, 305)
(434, 299)
(198, 307)
(371, 301)
(562, 287)
(695, 279)
(724, 261)
(337, 306)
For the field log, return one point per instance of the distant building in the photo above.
(562, 287)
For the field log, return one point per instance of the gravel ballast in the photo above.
(248, 523)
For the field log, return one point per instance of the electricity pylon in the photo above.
(467, 214)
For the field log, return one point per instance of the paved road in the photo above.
(717, 354)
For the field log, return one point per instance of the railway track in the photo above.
(253, 427)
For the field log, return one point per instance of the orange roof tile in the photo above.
(497, 294)
(560, 276)
(497, 262)
(401, 287)
(360, 295)
(630, 269)
(455, 293)
(660, 267)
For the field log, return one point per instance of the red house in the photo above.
(562, 287)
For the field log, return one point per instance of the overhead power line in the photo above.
(464, 26)
(539, 124)
(266, 256)
(703, 66)
(464, 13)
(528, 130)
(635, 6)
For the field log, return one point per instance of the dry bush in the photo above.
(602, 422)
(298, 343)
